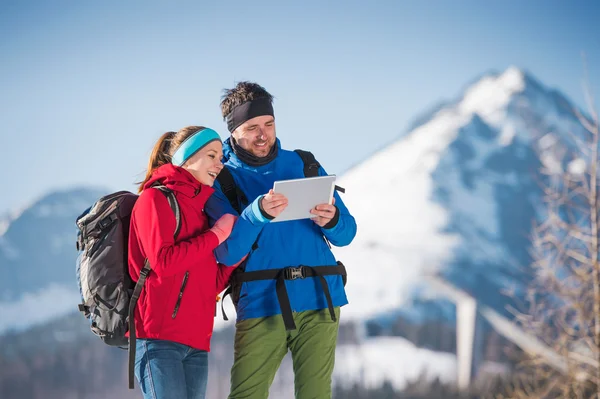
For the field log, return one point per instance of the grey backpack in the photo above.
(108, 293)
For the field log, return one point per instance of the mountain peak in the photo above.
(492, 93)
(513, 79)
(57, 202)
(461, 192)
(42, 233)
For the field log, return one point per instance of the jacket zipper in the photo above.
(183, 283)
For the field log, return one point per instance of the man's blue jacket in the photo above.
(277, 245)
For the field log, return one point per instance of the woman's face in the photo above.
(206, 164)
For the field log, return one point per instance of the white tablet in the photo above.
(303, 195)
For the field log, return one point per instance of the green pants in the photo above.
(262, 343)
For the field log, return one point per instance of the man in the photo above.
(290, 288)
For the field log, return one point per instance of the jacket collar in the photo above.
(180, 181)
(229, 156)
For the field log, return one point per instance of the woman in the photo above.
(174, 315)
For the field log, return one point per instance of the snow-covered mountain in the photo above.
(37, 259)
(456, 196)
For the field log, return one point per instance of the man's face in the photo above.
(256, 135)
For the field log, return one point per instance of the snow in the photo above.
(400, 237)
(547, 141)
(577, 166)
(391, 359)
(62, 208)
(490, 96)
(38, 307)
(4, 223)
(387, 260)
(507, 135)
(394, 359)
(551, 162)
(399, 191)
(399, 180)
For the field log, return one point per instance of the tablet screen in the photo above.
(303, 195)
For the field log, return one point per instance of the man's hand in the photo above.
(324, 213)
(273, 204)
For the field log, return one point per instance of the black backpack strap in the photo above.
(234, 195)
(311, 166)
(174, 206)
(140, 284)
(293, 273)
(132, 303)
(229, 188)
(228, 291)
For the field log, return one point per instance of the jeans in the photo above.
(169, 370)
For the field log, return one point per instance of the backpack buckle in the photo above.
(107, 221)
(79, 244)
(83, 308)
(293, 273)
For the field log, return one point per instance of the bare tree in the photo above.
(564, 298)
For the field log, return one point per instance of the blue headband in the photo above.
(193, 144)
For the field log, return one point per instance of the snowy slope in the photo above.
(393, 359)
(455, 196)
(37, 259)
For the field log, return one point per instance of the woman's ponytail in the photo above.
(161, 155)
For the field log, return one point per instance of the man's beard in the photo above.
(262, 151)
(249, 157)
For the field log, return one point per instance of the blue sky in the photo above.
(88, 86)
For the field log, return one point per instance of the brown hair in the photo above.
(164, 149)
(241, 93)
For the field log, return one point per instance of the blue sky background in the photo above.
(86, 87)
